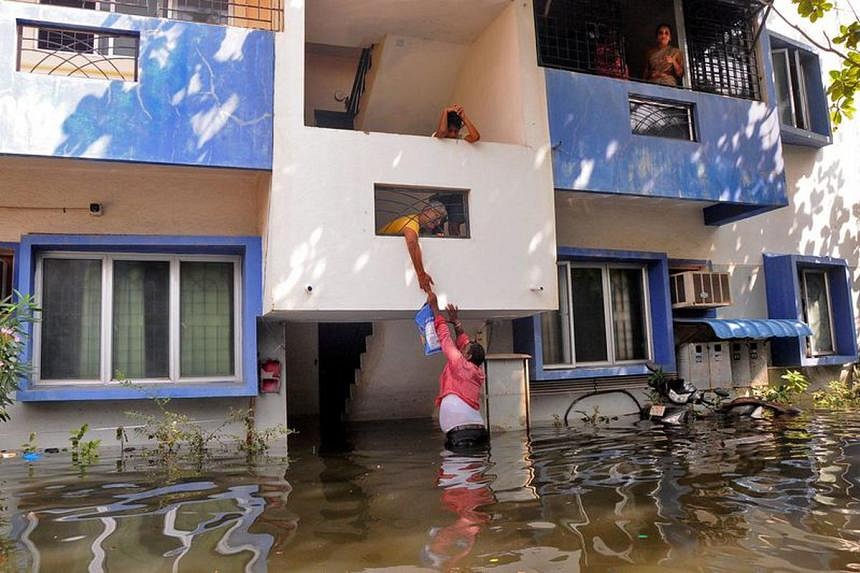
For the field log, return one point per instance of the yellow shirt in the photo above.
(397, 226)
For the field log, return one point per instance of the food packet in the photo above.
(427, 331)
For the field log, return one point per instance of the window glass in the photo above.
(206, 319)
(628, 314)
(816, 307)
(141, 319)
(782, 83)
(555, 325)
(71, 319)
(589, 319)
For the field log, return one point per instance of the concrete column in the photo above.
(507, 392)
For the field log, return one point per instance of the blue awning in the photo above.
(755, 328)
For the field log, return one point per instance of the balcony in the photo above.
(708, 138)
(337, 184)
(108, 85)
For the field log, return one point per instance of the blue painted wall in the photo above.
(204, 95)
(249, 248)
(737, 161)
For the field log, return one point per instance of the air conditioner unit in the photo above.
(700, 290)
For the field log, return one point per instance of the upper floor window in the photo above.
(152, 318)
(700, 44)
(602, 316)
(799, 91)
(428, 212)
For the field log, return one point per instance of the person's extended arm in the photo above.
(424, 280)
(449, 349)
(473, 135)
(442, 128)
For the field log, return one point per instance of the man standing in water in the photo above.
(460, 383)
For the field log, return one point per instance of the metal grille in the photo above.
(581, 35)
(100, 54)
(662, 119)
(261, 14)
(399, 207)
(720, 48)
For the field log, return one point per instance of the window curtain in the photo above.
(555, 326)
(628, 318)
(818, 313)
(71, 319)
(206, 314)
(141, 333)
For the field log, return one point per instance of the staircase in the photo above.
(341, 346)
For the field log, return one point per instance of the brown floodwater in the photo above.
(622, 498)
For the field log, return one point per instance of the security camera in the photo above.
(309, 289)
(96, 209)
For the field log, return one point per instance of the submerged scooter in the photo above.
(681, 398)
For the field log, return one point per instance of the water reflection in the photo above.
(579, 499)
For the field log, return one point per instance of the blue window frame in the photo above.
(179, 312)
(817, 291)
(614, 314)
(799, 93)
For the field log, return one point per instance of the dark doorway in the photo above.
(340, 348)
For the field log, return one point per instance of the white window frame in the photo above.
(609, 325)
(792, 61)
(805, 302)
(106, 359)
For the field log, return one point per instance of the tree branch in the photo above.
(828, 48)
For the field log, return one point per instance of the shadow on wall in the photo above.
(204, 97)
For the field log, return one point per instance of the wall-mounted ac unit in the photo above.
(700, 290)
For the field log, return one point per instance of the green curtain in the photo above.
(91, 321)
(141, 315)
(206, 319)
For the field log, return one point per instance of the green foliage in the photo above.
(256, 442)
(29, 446)
(845, 81)
(838, 395)
(595, 418)
(14, 317)
(794, 383)
(84, 453)
(172, 430)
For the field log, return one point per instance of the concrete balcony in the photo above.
(102, 85)
(733, 164)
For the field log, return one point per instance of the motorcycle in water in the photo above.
(681, 398)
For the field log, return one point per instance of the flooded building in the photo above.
(198, 196)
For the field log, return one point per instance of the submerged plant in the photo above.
(14, 318)
(794, 383)
(86, 452)
(29, 447)
(595, 418)
(838, 395)
(257, 442)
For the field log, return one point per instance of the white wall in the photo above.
(410, 82)
(322, 201)
(301, 368)
(488, 85)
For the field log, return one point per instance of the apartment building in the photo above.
(190, 190)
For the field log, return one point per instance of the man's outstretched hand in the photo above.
(425, 281)
(452, 313)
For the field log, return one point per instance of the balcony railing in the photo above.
(260, 14)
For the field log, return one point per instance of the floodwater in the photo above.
(621, 498)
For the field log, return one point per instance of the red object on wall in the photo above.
(270, 376)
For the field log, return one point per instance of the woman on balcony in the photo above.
(665, 63)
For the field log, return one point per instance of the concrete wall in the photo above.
(322, 199)
(487, 87)
(301, 368)
(204, 95)
(144, 199)
(328, 70)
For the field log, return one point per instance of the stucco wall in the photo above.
(137, 199)
(322, 199)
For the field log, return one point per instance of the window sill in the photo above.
(802, 137)
(562, 373)
(78, 392)
(828, 360)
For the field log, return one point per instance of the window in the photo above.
(662, 118)
(613, 37)
(6, 271)
(815, 299)
(206, 11)
(799, 93)
(431, 212)
(90, 53)
(602, 319)
(108, 317)
(720, 48)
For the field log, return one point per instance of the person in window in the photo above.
(664, 63)
(430, 218)
(460, 384)
(455, 206)
(451, 121)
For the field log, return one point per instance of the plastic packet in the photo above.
(427, 331)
